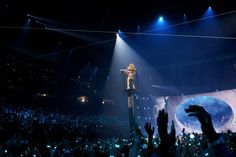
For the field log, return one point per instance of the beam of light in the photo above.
(163, 87)
(146, 75)
(27, 25)
(184, 35)
(160, 19)
(44, 24)
(192, 21)
(161, 22)
(56, 26)
(185, 18)
(20, 44)
(49, 21)
(75, 35)
(209, 12)
(121, 34)
(130, 34)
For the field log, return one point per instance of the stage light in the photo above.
(209, 12)
(117, 146)
(43, 94)
(82, 99)
(28, 20)
(118, 33)
(192, 136)
(160, 19)
(121, 34)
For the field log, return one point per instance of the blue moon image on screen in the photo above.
(220, 112)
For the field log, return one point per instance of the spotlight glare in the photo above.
(192, 136)
(82, 99)
(209, 12)
(160, 19)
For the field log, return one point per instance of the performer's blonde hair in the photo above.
(131, 67)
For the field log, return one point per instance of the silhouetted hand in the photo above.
(162, 123)
(205, 119)
(166, 147)
(149, 129)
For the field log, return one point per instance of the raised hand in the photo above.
(162, 123)
(149, 129)
(205, 119)
(166, 147)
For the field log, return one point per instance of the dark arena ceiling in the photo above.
(64, 40)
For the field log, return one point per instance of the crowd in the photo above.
(39, 132)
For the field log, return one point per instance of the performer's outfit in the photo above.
(130, 78)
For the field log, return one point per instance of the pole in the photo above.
(131, 110)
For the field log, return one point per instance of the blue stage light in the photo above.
(160, 19)
(209, 12)
(121, 34)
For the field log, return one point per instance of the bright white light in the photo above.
(191, 136)
(160, 19)
(117, 146)
(83, 99)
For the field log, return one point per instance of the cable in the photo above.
(129, 33)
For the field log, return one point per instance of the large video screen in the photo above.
(220, 104)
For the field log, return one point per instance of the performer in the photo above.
(130, 71)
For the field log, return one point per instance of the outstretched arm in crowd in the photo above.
(166, 146)
(204, 118)
(150, 131)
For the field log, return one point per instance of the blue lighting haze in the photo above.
(209, 12)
